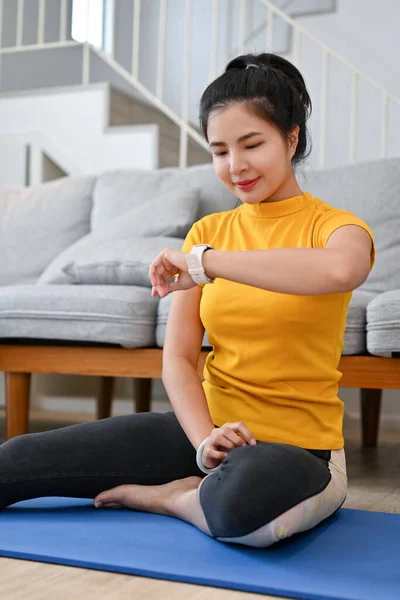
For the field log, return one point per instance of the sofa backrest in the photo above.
(38, 222)
(118, 191)
(370, 190)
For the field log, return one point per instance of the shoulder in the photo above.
(328, 218)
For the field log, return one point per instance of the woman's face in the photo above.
(250, 155)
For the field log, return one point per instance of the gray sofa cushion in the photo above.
(122, 315)
(38, 222)
(354, 337)
(169, 214)
(355, 341)
(383, 324)
(162, 316)
(118, 191)
(371, 191)
(119, 262)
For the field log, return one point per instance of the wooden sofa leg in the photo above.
(142, 394)
(370, 413)
(105, 398)
(18, 387)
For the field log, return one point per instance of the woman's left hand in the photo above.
(168, 264)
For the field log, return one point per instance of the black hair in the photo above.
(271, 87)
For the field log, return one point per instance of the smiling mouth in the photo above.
(247, 185)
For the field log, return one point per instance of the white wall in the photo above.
(75, 120)
(362, 30)
(365, 32)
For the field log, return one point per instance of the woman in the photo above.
(255, 453)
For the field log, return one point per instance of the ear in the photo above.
(293, 140)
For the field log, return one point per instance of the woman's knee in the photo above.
(257, 484)
(224, 495)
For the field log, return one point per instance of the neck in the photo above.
(288, 189)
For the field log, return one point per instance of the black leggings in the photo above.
(253, 488)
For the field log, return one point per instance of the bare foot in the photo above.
(159, 499)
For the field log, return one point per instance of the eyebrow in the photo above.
(241, 139)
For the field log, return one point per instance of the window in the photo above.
(92, 21)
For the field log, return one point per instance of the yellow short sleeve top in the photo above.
(274, 362)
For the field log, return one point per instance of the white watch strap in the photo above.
(199, 459)
(195, 266)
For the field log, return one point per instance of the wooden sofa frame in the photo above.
(370, 374)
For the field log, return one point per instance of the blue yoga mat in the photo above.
(354, 555)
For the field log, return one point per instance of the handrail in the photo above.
(328, 49)
(182, 118)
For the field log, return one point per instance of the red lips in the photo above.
(248, 184)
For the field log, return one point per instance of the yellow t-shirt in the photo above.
(274, 362)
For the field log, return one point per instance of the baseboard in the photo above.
(390, 420)
(120, 406)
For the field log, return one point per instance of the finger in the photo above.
(110, 496)
(109, 505)
(223, 441)
(156, 269)
(230, 434)
(162, 275)
(244, 431)
(214, 454)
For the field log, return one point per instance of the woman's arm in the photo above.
(342, 266)
(181, 352)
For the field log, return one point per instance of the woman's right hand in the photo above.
(222, 440)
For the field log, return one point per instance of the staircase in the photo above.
(159, 56)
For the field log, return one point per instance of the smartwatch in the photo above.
(195, 264)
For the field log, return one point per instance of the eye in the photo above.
(253, 146)
(220, 153)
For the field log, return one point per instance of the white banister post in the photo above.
(242, 27)
(296, 47)
(63, 20)
(384, 134)
(229, 28)
(111, 27)
(41, 19)
(270, 29)
(86, 51)
(85, 63)
(1, 37)
(20, 22)
(183, 145)
(324, 107)
(214, 40)
(136, 38)
(162, 24)
(353, 117)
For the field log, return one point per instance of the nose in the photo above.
(238, 163)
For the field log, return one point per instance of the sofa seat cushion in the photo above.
(355, 333)
(383, 324)
(124, 315)
(162, 316)
(354, 337)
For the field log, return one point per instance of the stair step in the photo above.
(129, 110)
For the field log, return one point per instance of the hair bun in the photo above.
(244, 61)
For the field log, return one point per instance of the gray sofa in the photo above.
(76, 253)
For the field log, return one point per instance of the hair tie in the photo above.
(253, 65)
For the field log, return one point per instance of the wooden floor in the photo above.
(374, 484)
